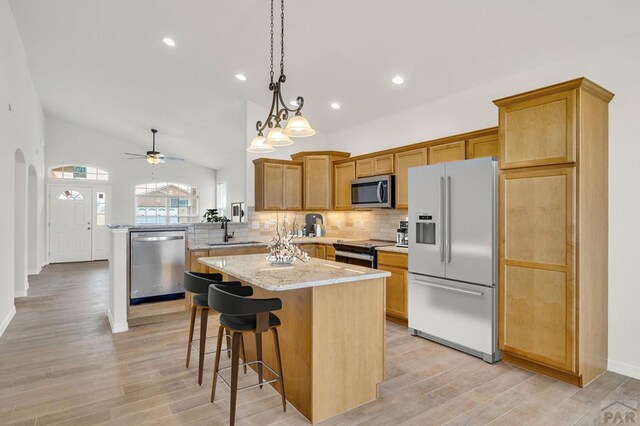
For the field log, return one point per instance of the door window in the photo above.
(70, 195)
(101, 208)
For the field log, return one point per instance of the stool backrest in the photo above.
(227, 301)
(198, 283)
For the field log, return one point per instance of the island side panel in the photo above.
(295, 345)
(348, 346)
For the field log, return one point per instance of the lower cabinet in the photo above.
(321, 251)
(396, 294)
(331, 253)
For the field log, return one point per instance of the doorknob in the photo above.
(88, 223)
(88, 228)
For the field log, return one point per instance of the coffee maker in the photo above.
(402, 237)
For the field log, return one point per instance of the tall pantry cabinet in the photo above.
(553, 230)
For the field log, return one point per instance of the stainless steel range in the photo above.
(362, 253)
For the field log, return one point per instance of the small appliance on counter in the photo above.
(402, 237)
(313, 225)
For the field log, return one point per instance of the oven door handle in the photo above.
(354, 255)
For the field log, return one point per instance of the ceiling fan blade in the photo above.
(137, 158)
(174, 158)
(135, 155)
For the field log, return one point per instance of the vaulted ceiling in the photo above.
(102, 63)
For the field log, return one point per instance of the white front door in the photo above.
(70, 214)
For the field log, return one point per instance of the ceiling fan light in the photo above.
(257, 146)
(153, 160)
(277, 137)
(299, 127)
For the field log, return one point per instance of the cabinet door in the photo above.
(452, 151)
(310, 249)
(343, 175)
(321, 251)
(537, 298)
(383, 164)
(292, 187)
(405, 160)
(272, 189)
(396, 294)
(364, 167)
(317, 182)
(331, 253)
(483, 146)
(538, 131)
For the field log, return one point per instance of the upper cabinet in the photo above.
(318, 178)
(278, 184)
(343, 174)
(405, 160)
(374, 166)
(443, 153)
(539, 130)
(483, 146)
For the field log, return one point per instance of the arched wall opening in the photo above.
(20, 226)
(33, 230)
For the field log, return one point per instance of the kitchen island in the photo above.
(332, 332)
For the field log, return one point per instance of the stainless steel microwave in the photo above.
(373, 192)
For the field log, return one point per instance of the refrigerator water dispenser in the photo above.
(426, 230)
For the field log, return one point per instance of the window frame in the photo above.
(171, 214)
(101, 175)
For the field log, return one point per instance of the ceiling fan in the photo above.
(153, 156)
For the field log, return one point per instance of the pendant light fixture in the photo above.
(297, 126)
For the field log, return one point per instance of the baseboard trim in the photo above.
(7, 320)
(22, 293)
(624, 369)
(35, 271)
(117, 327)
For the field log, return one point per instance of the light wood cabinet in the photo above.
(343, 174)
(539, 130)
(318, 178)
(278, 185)
(194, 265)
(483, 146)
(552, 313)
(405, 160)
(443, 153)
(321, 251)
(331, 252)
(374, 166)
(310, 249)
(397, 283)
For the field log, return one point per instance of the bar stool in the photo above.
(198, 283)
(240, 314)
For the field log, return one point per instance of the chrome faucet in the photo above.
(224, 226)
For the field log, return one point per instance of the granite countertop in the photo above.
(254, 269)
(262, 242)
(394, 249)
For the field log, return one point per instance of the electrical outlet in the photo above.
(255, 225)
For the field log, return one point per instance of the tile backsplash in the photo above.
(375, 224)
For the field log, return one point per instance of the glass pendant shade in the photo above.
(276, 137)
(257, 145)
(298, 127)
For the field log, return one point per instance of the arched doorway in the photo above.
(20, 226)
(33, 230)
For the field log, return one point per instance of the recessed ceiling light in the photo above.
(335, 105)
(241, 77)
(169, 42)
(397, 80)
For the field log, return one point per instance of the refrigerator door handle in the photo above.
(448, 219)
(379, 192)
(442, 234)
(444, 287)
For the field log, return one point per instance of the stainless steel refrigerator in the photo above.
(453, 255)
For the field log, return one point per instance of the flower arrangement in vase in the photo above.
(281, 250)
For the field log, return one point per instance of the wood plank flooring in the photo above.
(60, 364)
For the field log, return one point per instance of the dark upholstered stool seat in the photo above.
(246, 322)
(201, 300)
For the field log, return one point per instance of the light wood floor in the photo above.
(59, 363)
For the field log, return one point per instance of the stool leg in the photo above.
(276, 341)
(235, 349)
(203, 340)
(244, 354)
(216, 363)
(228, 334)
(259, 356)
(194, 310)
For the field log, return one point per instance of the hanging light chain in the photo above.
(271, 53)
(282, 37)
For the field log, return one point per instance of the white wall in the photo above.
(21, 128)
(69, 143)
(616, 68)
(317, 142)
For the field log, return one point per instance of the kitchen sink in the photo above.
(233, 243)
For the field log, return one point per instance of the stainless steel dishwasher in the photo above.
(156, 264)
